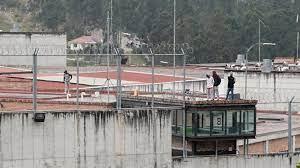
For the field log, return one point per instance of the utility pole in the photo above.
(174, 46)
(77, 81)
(290, 146)
(246, 64)
(111, 22)
(290, 126)
(259, 40)
(184, 107)
(107, 57)
(297, 21)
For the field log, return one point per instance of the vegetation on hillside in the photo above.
(217, 30)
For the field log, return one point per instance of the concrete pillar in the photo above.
(266, 147)
(294, 143)
(216, 152)
(237, 147)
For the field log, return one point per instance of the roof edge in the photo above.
(30, 33)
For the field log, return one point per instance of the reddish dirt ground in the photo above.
(20, 106)
(133, 76)
(7, 69)
(8, 84)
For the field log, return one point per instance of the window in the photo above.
(233, 122)
(179, 121)
(189, 124)
(174, 123)
(218, 124)
(247, 121)
(215, 123)
(202, 123)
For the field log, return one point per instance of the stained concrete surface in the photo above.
(108, 139)
(271, 161)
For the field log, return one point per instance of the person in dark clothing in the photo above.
(230, 87)
(217, 81)
(67, 80)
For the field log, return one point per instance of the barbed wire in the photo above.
(168, 47)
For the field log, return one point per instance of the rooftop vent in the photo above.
(240, 59)
(267, 66)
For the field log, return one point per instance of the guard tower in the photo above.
(211, 127)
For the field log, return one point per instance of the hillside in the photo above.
(217, 30)
(16, 14)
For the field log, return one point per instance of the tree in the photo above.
(217, 30)
(52, 14)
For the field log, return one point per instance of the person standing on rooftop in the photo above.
(230, 86)
(210, 85)
(217, 81)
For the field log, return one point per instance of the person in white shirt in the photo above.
(67, 79)
(210, 86)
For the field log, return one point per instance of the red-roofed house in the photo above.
(82, 42)
(85, 41)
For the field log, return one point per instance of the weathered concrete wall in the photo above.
(93, 139)
(279, 161)
(269, 87)
(18, 48)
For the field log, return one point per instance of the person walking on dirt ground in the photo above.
(230, 87)
(67, 80)
(217, 81)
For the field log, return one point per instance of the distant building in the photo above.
(83, 42)
(125, 41)
(16, 48)
(284, 60)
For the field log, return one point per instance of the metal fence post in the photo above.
(246, 76)
(290, 127)
(152, 85)
(77, 81)
(119, 82)
(34, 86)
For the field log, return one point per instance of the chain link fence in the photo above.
(104, 75)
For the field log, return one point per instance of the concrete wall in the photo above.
(268, 88)
(276, 145)
(18, 48)
(104, 139)
(278, 161)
